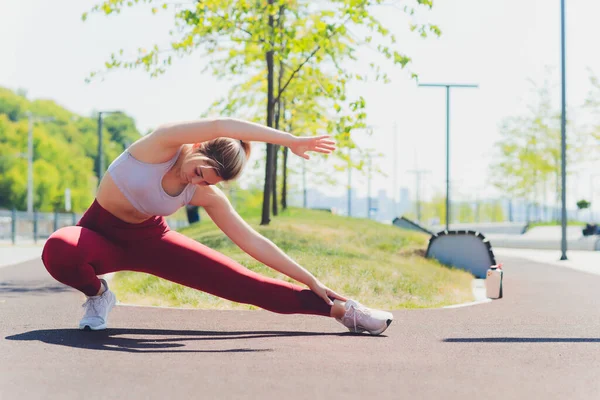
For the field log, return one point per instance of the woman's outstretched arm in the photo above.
(203, 130)
(176, 134)
(260, 248)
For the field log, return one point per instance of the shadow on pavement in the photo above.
(32, 287)
(522, 340)
(112, 339)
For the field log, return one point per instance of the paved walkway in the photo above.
(10, 254)
(586, 261)
(541, 341)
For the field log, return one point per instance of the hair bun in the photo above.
(246, 147)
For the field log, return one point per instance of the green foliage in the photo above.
(465, 212)
(531, 225)
(592, 105)
(436, 208)
(490, 212)
(309, 41)
(121, 128)
(583, 204)
(11, 105)
(462, 212)
(529, 152)
(64, 153)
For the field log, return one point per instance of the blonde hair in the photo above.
(227, 156)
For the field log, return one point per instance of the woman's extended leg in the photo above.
(75, 255)
(180, 259)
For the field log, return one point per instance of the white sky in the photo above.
(497, 44)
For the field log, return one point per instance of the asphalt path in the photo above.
(541, 341)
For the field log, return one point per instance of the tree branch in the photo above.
(307, 60)
(241, 29)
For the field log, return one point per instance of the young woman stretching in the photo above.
(179, 164)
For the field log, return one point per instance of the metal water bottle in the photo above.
(493, 282)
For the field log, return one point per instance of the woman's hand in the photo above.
(325, 293)
(320, 144)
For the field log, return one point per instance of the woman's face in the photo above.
(196, 171)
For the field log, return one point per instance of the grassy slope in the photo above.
(380, 265)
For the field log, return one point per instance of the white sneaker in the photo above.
(359, 318)
(97, 309)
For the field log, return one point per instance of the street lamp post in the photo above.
(369, 188)
(30, 164)
(418, 173)
(100, 147)
(563, 135)
(447, 86)
(32, 120)
(370, 129)
(395, 158)
(349, 212)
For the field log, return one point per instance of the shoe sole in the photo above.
(373, 333)
(89, 328)
(380, 331)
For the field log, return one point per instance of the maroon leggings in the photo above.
(102, 243)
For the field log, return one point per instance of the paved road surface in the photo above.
(10, 254)
(542, 341)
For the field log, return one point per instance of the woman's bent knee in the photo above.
(61, 249)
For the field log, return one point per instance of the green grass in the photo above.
(379, 265)
(555, 223)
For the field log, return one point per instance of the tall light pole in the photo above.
(370, 128)
(349, 184)
(100, 147)
(563, 135)
(418, 173)
(395, 157)
(447, 86)
(30, 164)
(32, 120)
(369, 188)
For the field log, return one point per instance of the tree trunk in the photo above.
(270, 108)
(557, 214)
(285, 159)
(277, 116)
(275, 156)
(284, 188)
(275, 162)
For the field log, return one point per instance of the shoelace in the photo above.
(92, 304)
(355, 309)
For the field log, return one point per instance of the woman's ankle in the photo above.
(102, 289)
(338, 310)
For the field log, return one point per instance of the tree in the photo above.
(121, 128)
(254, 36)
(64, 151)
(465, 212)
(529, 152)
(306, 115)
(583, 204)
(592, 105)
